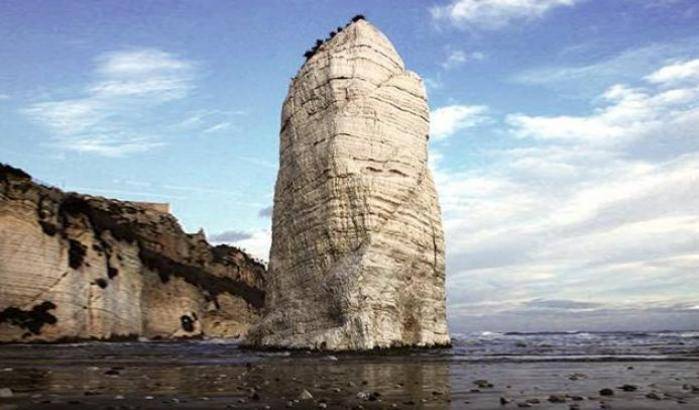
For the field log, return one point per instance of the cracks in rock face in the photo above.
(434, 248)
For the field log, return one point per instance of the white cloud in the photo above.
(4, 97)
(626, 114)
(139, 63)
(221, 126)
(676, 73)
(457, 58)
(580, 211)
(446, 121)
(433, 83)
(494, 14)
(610, 229)
(209, 120)
(257, 243)
(454, 59)
(111, 117)
(115, 144)
(589, 79)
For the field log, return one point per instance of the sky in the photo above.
(564, 138)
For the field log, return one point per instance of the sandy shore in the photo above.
(112, 380)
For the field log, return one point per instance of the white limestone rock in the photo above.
(357, 257)
(79, 267)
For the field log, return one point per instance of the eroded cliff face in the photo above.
(80, 267)
(357, 257)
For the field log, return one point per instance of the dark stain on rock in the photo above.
(32, 320)
(112, 271)
(166, 267)
(76, 253)
(187, 323)
(99, 219)
(48, 228)
(101, 282)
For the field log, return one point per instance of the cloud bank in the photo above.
(587, 217)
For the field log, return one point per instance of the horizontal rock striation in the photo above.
(80, 267)
(357, 257)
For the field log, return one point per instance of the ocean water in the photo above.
(472, 347)
(585, 346)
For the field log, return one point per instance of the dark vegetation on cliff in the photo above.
(7, 171)
(312, 51)
(214, 285)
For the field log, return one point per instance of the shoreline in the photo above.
(200, 375)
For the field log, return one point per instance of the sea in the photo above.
(467, 347)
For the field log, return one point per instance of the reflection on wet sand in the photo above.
(347, 381)
(210, 376)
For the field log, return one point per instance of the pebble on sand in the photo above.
(606, 392)
(653, 396)
(556, 398)
(305, 395)
(483, 384)
(577, 376)
(5, 392)
(629, 387)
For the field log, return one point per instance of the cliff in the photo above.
(80, 267)
(357, 257)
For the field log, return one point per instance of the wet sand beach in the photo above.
(213, 375)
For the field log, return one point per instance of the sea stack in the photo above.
(357, 257)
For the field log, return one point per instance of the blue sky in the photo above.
(564, 140)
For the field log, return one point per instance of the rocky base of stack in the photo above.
(76, 267)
